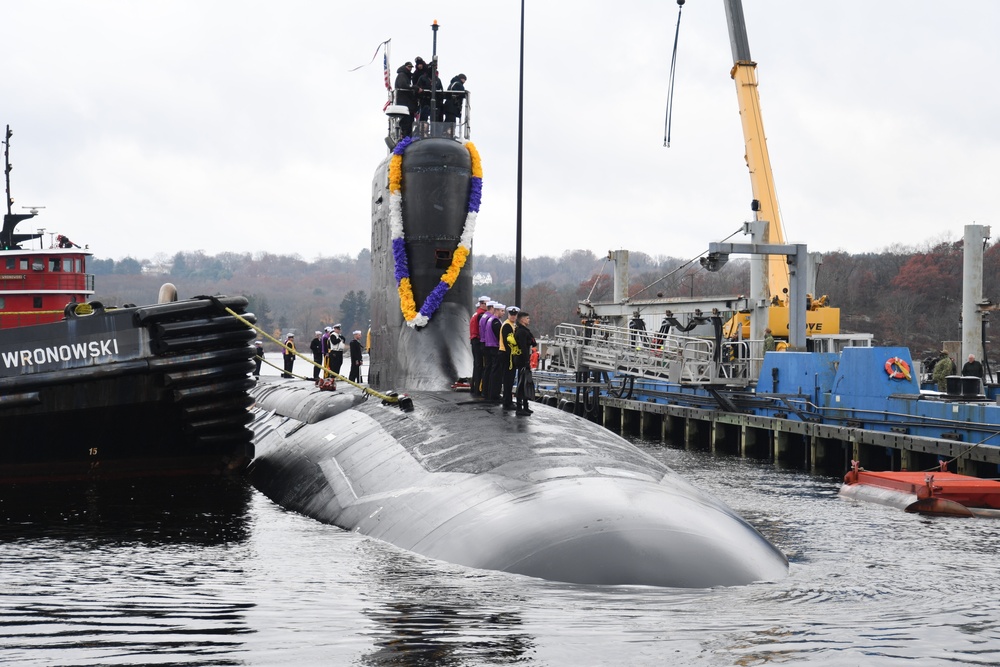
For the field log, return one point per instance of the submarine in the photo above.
(414, 462)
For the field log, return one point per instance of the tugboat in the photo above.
(93, 392)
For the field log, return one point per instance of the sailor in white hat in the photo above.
(336, 350)
(288, 355)
(507, 328)
(316, 346)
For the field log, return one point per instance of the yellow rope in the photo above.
(30, 312)
(367, 390)
(81, 309)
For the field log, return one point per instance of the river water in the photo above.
(178, 574)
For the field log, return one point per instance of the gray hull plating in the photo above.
(551, 496)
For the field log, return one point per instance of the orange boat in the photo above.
(937, 492)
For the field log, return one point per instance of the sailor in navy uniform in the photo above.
(289, 355)
(357, 358)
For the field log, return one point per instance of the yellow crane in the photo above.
(820, 318)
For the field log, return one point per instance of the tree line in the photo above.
(903, 296)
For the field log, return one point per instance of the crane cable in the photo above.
(598, 278)
(670, 91)
(682, 266)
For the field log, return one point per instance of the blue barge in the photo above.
(818, 410)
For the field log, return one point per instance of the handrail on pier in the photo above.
(672, 357)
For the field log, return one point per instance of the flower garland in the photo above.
(407, 303)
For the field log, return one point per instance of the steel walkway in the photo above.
(685, 360)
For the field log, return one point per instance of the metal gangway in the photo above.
(670, 357)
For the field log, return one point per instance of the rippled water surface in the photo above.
(146, 575)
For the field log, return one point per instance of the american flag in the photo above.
(385, 74)
(385, 68)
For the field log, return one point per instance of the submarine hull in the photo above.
(552, 496)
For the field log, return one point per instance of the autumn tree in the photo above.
(549, 307)
(901, 295)
(258, 305)
(128, 266)
(355, 310)
(991, 273)
(936, 275)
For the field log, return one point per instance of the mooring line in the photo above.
(368, 390)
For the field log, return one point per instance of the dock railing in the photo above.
(672, 357)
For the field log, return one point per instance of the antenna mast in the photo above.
(6, 170)
(434, 74)
(8, 239)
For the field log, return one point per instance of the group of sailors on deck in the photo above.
(413, 87)
(502, 349)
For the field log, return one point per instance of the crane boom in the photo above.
(744, 73)
(769, 279)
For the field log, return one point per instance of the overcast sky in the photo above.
(146, 128)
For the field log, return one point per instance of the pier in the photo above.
(699, 394)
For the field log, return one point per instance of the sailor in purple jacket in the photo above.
(490, 341)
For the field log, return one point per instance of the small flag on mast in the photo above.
(385, 71)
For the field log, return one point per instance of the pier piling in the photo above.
(817, 447)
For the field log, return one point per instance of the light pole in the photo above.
(520, 145)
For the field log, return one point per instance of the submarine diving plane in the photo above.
(433, 471)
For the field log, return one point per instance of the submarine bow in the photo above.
(554, 496)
